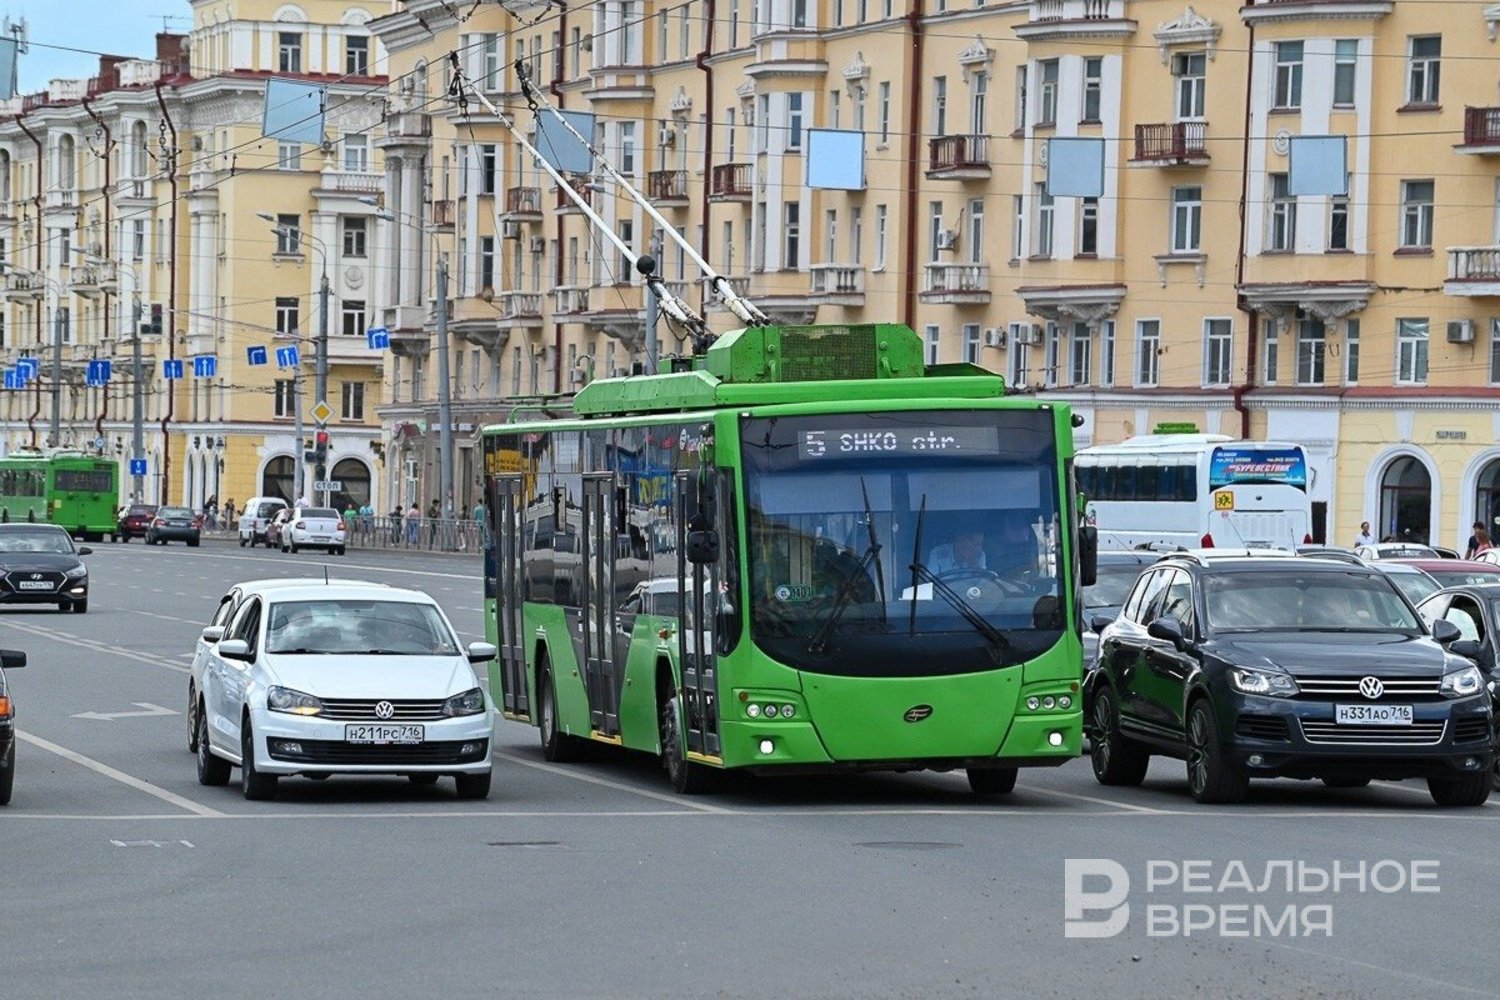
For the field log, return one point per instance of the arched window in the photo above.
(1487, 495)
(277, 480)
(354, 476)
(1405, 500)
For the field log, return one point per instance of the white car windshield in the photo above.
(350, 626)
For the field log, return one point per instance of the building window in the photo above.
(1288, 75)
(885, 112)
(487, 262)
(289, 52)
(971, 343)
(934, 226)
(1081, 356)
(856, 234)
(859, 109)
(830, 235)
(1424, 70)
(1147, 346)
(794, 120)
(356, 153)
(354, 401)
(930, 344)
(288, 234)
(288, 156)
(1051, 358)
(881, 215)
(1281, 229)
(940, 105)
(286, 398)
(1187, 219)
(515, 371)
(1107, 354)
(1416, 214)
(1312, 351)
(1047, 92)
(1020, 355)
(1093, 87)
(978, 101)
(1351, 352)
(287, 321)
(493, 57)
(1020, 115)
(792, 220)
(1044, 207)
(627, 148)
(1338, 222)
(1495, 352)
(138, 239)
(357, 56)
(489, 167)
(1088, 227)
(976, 231)
(1270, 334)
(1411, 351)
(1190, 68)
(353, 316)
(1017, 227)
(1218, 351)
(1345, 52)
(354, 237)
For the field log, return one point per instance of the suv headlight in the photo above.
(471, 702)
(76, 573)
(1267, 682)
(292, 702)
(1462, 682)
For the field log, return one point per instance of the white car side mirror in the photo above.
(480, 652)
(235, 649)
(213, 633)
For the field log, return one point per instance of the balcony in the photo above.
(1481, 132)
(359, 183)
(1284, 11)
(570, 300)
(86, 280)
(354, 350)
(566, 205)
(60, 199)
(523, 204)
(739, 283)
(667, 187)
(1171, 144)
(731, 182)
(1473, 272)
(443, 214)
(1052, 20)
(839, 284)
(23, 287)
(408, 125)
(520, 310)
(959, 157)
(956, 284)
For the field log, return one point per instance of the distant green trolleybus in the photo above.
(801, 551)
(77, 491)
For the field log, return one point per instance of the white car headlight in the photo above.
(1267, 682)
(77, 572)
(292, 702)
(1462, 682)
(470, 702)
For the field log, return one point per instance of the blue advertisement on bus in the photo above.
(1230, 465)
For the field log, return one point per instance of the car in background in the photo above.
(312, 528)
(175, 524)
(1456, 572)
(39, 564)
(275, 527)
(10, 659)
(1475, 610)
(255, 516)
(1249, 667)
(136, 520)
(1397, 550)
(1330, 552)
(1118, 570)
(328, 679)
(1415, 583)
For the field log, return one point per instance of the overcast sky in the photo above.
(119, 27)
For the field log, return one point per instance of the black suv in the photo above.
(10, 659)
(1268, 665)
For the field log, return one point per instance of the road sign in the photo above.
(12, 378)
(286, 357)
(98, 373)
(321, 411)
(255, 355)
(378, 338)
(137, 466)
(1224, 500)
(28, 367)
(328, 485)
(205, 366)
(172, 368)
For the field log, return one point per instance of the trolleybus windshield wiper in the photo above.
(921, 574)
(819, 641)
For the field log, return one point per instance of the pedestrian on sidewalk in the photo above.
(434, 515)
(413, 526)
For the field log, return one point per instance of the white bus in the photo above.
(1197, 490)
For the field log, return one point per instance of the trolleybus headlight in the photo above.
(1055, 738)
(752, 710)
(787, 711)
(1063, 701)
(1049, 702)
(770, 711)
(1033, 703)
(767, 747)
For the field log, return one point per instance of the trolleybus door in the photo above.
(599, 602)
(698, 586)
(505, 503)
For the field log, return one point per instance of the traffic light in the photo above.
(320, 447)
(156, 313)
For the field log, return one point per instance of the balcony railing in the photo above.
(959, 154)
(524, 201)
(1482, 127)
(1063, 10)
(667, 185)
(409, 125)
(1474, 263)
(20, 285)
(566, 205)
(957, 282)
(520, 305)
(351, 182)
(838, 280)
(740, 283)
(569, 300)
(1171, 142)
(731, 181)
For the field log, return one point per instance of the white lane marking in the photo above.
(458, 813)
(167, 618)
(149, 711)
(98, 647)
(1390, 970)
(171, 798)
(1146, 810)
(564, 772)
(349, 567)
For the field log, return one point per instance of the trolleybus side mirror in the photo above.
(1088, 555)
(702, 542)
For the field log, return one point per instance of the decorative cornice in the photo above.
(1192, 28)
(1328, 302)
(1279, 11)
(787, 67)
(856, 74)
(682, 103)
(1091, 304)
(1492, 19)
(1051, 31)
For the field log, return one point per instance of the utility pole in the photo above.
(445, 395)
(138, 412)
(322, 372)
(300, 465)
(652, 348)
(57, 342)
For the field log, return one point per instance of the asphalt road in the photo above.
(122, 877)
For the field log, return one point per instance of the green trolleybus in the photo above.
(803, 550)
(77, 491)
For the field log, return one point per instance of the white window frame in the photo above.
(1281, 215)
(1147, 353)
(1417, 214)
(1187, 219)
(1312, 351)
(1218, 351)
(1345, 72)
(1424, 72)
(1081, 356)
(1351, 352)
(1286, 92)
(1190, 85)
(1093, 89)
(1049, 71)
(1413, 346)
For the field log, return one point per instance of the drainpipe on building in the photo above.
(170, 332)
(913, 162)
(41, 170)
(557, 220)
(108, 141)
(1252, 341)
(708, 144)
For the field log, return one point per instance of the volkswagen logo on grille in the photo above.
(384, 710)
(1371, 687)
(917, 713)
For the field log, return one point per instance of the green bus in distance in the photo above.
(79, 492)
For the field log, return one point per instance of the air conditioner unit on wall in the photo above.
(947, 239)
(994, 337)
(1029, 334)
(1460, 331)
(669, 137)
(510, 229)
(538, 244)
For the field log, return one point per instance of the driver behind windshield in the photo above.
(965, 552)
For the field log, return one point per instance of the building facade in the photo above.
(1197, 289)
(132, 219)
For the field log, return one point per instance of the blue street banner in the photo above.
(172, 368)
(286, 357)
(13, 378)
(378, 338)
(28, 367)
(255, 355)
(1247, 464)
(205, 366)
(137, 466)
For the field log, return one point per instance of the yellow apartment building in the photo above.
(130, 217)
(1195, 290)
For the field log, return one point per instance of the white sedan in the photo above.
(327, 679)
(313, 528)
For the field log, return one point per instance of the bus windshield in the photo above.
(906, 543)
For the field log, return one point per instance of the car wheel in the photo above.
(1117, 759)
(80, 607)
(211, 770)
(293, 548)
(992, 780)
(1465, 790)
(557, 746)
(687, 777)
(193, 543)
(473, 786)
(256, 787)
(1346, 782)
(192, 718)
(341, 550)
(423, 778)
(8, 774)
(1212, 776)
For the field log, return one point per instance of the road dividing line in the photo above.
(117, 775)
(679, 801)
(97, 647)
(1145, 810)
(348, 568)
